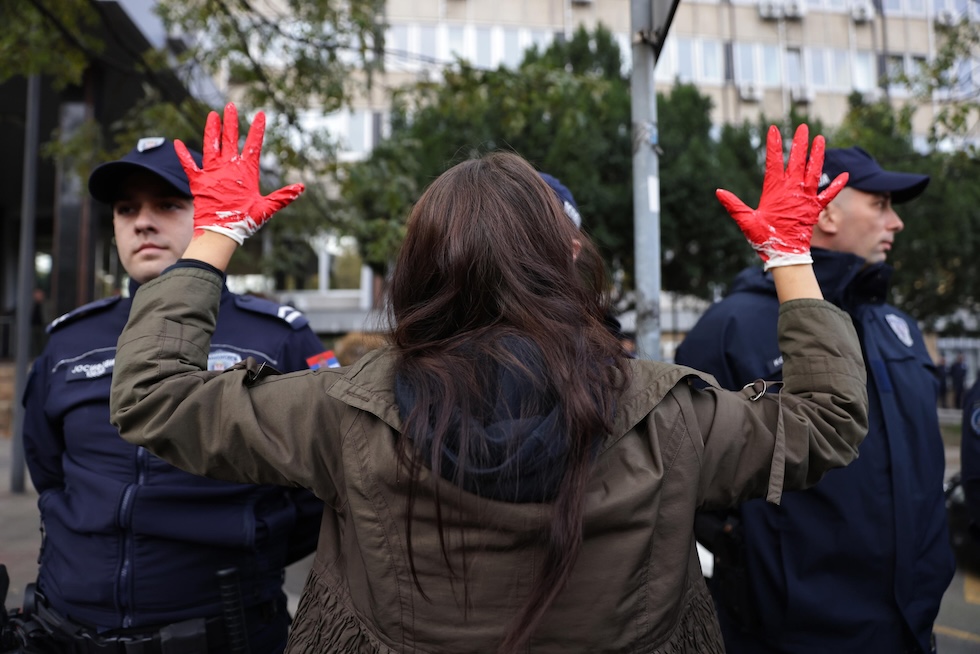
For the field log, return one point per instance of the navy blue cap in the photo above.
(864, 174)
(565, 197)
(154, 154)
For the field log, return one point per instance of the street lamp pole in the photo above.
(646, 181)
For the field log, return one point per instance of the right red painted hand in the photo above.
(781, 228)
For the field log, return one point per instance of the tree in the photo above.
(296, 59)
(950, 82)
(567, 110)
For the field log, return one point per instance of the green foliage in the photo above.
(48, 37)
(702, 246)
(566, 110)
(286, 57)
(947, 82)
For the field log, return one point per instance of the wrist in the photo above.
(212, 248)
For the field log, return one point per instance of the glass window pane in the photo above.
(457, 42)
(427, 43)
(892, 7)
(864, 71)
(513, 54)
(772, 75)
(483, 53)
(744, 63)
(840, 71)
(794, 67)
(665, 69)
(396, 41)
(685, 59)
(711, 61)
(356, 135)
(818, 68)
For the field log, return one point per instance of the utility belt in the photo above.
(227, 632)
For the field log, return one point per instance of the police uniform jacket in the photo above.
(970, 453)
(860, 562)
(129, 540)
(677, 443)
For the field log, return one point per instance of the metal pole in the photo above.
(646, 182)
(25, 276)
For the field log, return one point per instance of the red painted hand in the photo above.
(781, 228)
(226, 192)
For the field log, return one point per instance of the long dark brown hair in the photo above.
(488, 256)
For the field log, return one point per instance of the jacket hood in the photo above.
(515, 449)
(844, 279)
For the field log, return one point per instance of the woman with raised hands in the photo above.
(500, 477)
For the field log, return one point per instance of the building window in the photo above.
(745, 71)
(428, 44)
(711, 62)
(484, 55)
(818, 68)
(794, 67)
(771, 71)
(840, 71)
(685, 59)
(666, 68)
(891, 7)
(396, 42)
(456, 36)
(513, 53)
(865, 77)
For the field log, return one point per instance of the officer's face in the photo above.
(153, 225)
(865, 223)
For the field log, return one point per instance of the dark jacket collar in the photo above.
(844, 278)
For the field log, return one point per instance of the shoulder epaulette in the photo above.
(291, 316)
(84, 310)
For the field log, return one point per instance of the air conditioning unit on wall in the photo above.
(794, 9)
(862, 11)
(947, 18)
(770, 9)
(749, 92)
(801, 94)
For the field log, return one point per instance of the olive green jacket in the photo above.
(637, 585)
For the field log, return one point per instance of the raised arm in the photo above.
(781, 228)
(228, 206)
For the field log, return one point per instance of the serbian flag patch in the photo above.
(323, 360)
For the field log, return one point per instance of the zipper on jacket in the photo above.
(128, 542)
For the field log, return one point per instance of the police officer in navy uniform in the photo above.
(132, 547)
(970, 458)
(858, 563)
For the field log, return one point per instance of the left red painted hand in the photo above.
(226, 192)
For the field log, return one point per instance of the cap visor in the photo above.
(104, 182)
(902, 186)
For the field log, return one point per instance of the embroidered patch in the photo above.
(149, 143)
(323, 360)
(90, 370)
(901, 328)
(222, 360)
(975, 421)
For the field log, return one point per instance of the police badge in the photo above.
(901, 328)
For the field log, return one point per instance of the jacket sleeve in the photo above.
(301, 345)
(246, 424)
(756, 444)
(44, 442)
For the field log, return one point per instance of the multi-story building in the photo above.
(751, 57)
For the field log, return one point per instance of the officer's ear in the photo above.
(828, 222)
